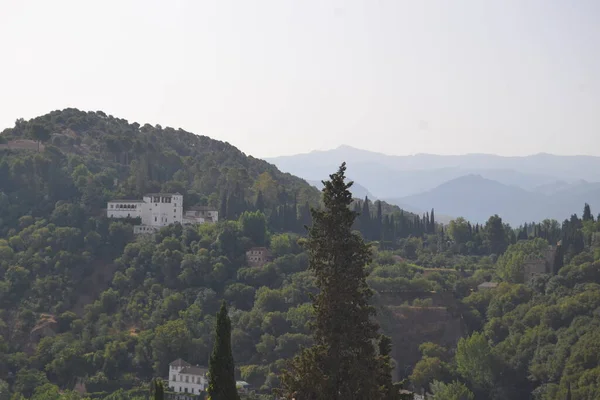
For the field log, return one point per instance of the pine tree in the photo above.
(343, 363)
(432, 221)
(221, 378)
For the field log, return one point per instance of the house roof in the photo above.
(180, 363)
(126, 201)
(163, 194)
(194, 370)
(201, 208)
(258, 249)
(488, 284)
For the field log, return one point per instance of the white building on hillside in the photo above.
(158, 210)
(201, 214)
(187, 378)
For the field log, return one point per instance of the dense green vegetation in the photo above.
(83, 300)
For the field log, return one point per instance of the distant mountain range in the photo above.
(475, 186)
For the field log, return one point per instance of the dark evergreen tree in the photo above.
(432, 221)
(305, 217)
(379, 222)
(495, 235)
(223, 207)
(231, 206)
(365, 219)
(587, 213)
(294, 215)
(39, 133)
(259, 205)
(157, 389)
(559, 258)
(221, 378)
(357, 208)
(390, 391)
(343, 363)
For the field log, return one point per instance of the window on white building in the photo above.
(187, 379)
(174, 377)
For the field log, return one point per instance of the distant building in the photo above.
(487, 286)
(242, 386)
(201, 214)
(258, 256)
(537, 266)
(157, 210)
(187, 378)
(408, 393)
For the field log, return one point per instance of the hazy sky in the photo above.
(279, 77)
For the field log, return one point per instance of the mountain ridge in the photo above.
(408, 180)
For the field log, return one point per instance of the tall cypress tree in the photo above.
(221, 378)
(259, 205)
(343, 363)
(223, 206)
(157, 389)
(365, 219)
(587, 213)
(379, 223)
(305, 217)
(294, 215)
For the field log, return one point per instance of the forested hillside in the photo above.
(83, 300)
(80, 297)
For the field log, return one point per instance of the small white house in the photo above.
(201, 214)
(158, 210)
(187, 378)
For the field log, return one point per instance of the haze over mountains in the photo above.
(474, 186)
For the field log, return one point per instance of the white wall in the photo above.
(163, 210)
(118, 209)
(180, 385)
